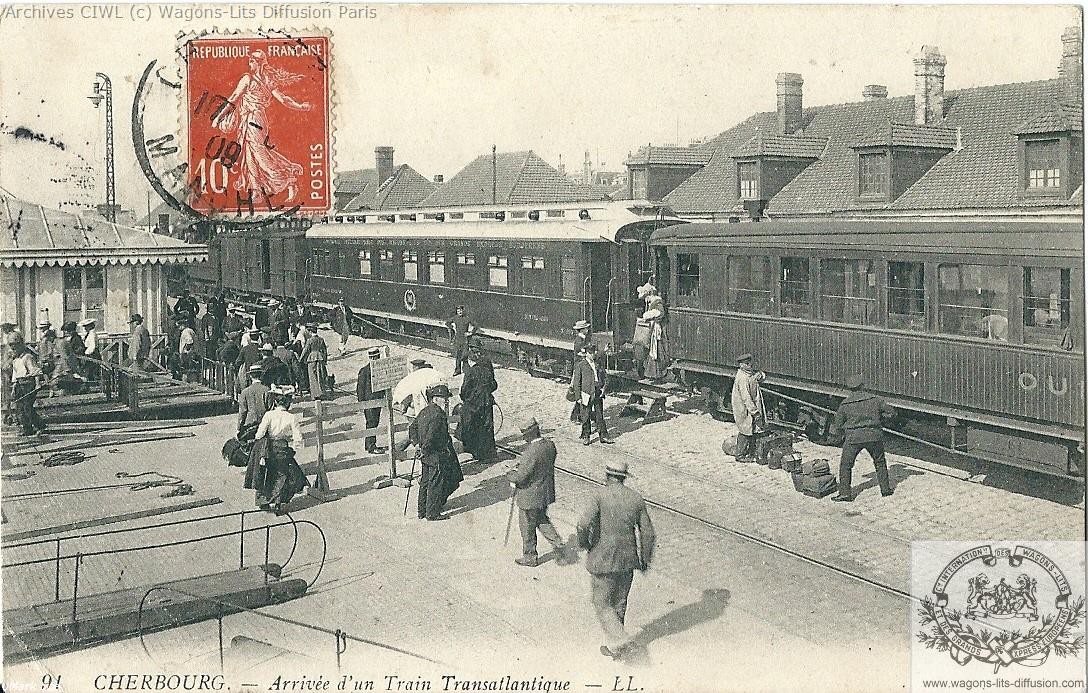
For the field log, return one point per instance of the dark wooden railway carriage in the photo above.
(977, 325)
(525, 274)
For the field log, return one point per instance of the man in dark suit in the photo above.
(461, 328)
(860, 419)
(441, 470)
(252, 403)
(373, 417)
(534, 482)
(588, 383)
(315, 354)
(607, 529)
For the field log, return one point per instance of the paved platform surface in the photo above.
(717, 612)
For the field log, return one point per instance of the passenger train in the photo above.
(973, 329)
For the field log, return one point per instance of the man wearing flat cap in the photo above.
(139, 342)
(616, 529)
(748, 410)
(533, 480)
(860, 419)
(461, 328)
(364, 393)
(441, 471)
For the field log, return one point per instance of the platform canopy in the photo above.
(35, 236)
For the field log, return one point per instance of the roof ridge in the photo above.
(521, 170)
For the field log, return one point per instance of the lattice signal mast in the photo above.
(103, 89)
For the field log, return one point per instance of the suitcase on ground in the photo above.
(818, 486)
(775, 458)
(235, 454)
(791, 462)
(817, 467)
(798, 481)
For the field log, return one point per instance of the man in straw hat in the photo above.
(581, 335)
(364, 393)
(615, 528)
(588, 384)
(441, 471)
(533, 480)
(860, 418)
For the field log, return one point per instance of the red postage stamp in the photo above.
(258, 124)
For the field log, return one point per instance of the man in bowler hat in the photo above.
(860, 418)
(533, 480)
(616, 529)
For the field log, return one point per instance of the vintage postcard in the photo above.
(556, 348)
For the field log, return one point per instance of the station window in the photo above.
(84, 294)
(848, 291)
(687, 275)
(796, 282)
(873, 174)
(497, 272)
(1043, 164)
(973, 300)
(1047, 307)
(906, 296)
(748, 176)
(410, 259)
(751, 285)
(532, 276)
(365, 268)
(436, 267)
(568, 267)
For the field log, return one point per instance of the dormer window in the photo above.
(748, 176)
(873, 174)
(1043, 164)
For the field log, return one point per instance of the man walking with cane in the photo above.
(533, 480)
(607, 528)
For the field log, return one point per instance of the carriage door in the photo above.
(599, 262)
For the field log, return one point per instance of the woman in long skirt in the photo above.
(477, 425)
(273, 473)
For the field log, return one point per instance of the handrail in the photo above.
(340, 635)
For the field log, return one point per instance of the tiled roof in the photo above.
(983, 173)
(669, 154)
(910, 135)
(515, 178)
(355, 181)
(1056, 117)
(32, 234)
(405, 188)
(793, 146)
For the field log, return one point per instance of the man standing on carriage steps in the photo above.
(860, 419)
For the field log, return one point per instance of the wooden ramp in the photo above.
(35, 631)
(147, 397)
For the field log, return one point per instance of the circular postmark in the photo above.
(993, 605)
(410, 300)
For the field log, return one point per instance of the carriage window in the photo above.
(848, 291)
(321, 261)
(497, 272)
(747, 174)
(973, 300)
(1047, 307)
(906, 296)
(750, 284)
(569, 277)
(795, 288)
(436, 267)
(687, 275)
(410, 259)
(466, 259)
(532, 276)
(365, 268)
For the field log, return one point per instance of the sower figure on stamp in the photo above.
(616, 529)
(748, 410)
(441, 470)
(860, 419)
(533, 480)
(373, 417)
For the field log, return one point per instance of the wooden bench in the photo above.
(650, 403)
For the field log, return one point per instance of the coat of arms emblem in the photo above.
(990, 613)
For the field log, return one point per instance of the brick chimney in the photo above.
(383, 161)
(1071, 68)
(872, 92)
(790, 115)
(929, 86)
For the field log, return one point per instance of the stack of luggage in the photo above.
(815, 479)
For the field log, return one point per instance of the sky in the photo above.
(442, 84)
